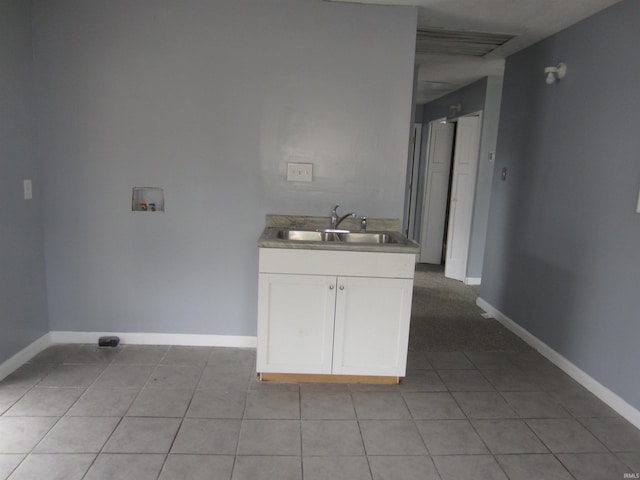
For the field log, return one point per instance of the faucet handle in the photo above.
(363, 224)
(335, 210)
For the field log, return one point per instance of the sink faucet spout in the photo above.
(336, 220)
(342, 218)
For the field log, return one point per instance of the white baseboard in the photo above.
(472, 280)
(183, 339)
(617, 403)
(16, 361)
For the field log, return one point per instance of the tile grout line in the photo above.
(526, 420)
(29, 389)
(71, 406)
(59, 419)
(475, 430)
(244, 411)
(493, 455)
(184, 415)
(415, 425)
(301, 443)
(571, 416)
(364, 445)
(114, 428)
(122, 417)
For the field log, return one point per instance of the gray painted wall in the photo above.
(417, 117)
(482, 199)
(23, 313)
(481, 95)
(208, 100)
(562, 249)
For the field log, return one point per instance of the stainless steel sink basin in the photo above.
(349, 237)
(366, 237)
(306, 236)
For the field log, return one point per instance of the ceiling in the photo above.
(528, 21)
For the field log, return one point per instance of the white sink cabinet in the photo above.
(334, 312)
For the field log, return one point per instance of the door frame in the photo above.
(421, 191)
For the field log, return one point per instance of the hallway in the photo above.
(445, 317)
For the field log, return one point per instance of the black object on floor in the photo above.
(108, 341)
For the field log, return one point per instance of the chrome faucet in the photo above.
(336, 221)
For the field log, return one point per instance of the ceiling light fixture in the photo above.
(555, 73)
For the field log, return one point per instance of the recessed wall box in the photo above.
(147, 199)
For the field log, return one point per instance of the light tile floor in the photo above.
(190, 413)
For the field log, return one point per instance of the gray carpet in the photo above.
(444, 317)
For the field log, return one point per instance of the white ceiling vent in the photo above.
(449, 42)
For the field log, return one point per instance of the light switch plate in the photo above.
(299, 172)
(638, 206)
(28, 189)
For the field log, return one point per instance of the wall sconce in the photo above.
(555, 73)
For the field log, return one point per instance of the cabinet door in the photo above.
(372, 326)
(295, 323)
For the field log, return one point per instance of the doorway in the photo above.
(448, 192)
(413, 183)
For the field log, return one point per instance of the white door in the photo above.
(295, 323)
(436, 189)
(372, 326)
(463, 184)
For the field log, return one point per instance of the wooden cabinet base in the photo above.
(316, 378)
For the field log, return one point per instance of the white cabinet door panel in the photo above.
(372, 326)
(295, 331)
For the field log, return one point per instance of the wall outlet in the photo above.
(299, 172)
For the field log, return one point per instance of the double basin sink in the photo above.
(312, 233)
(345, 237)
